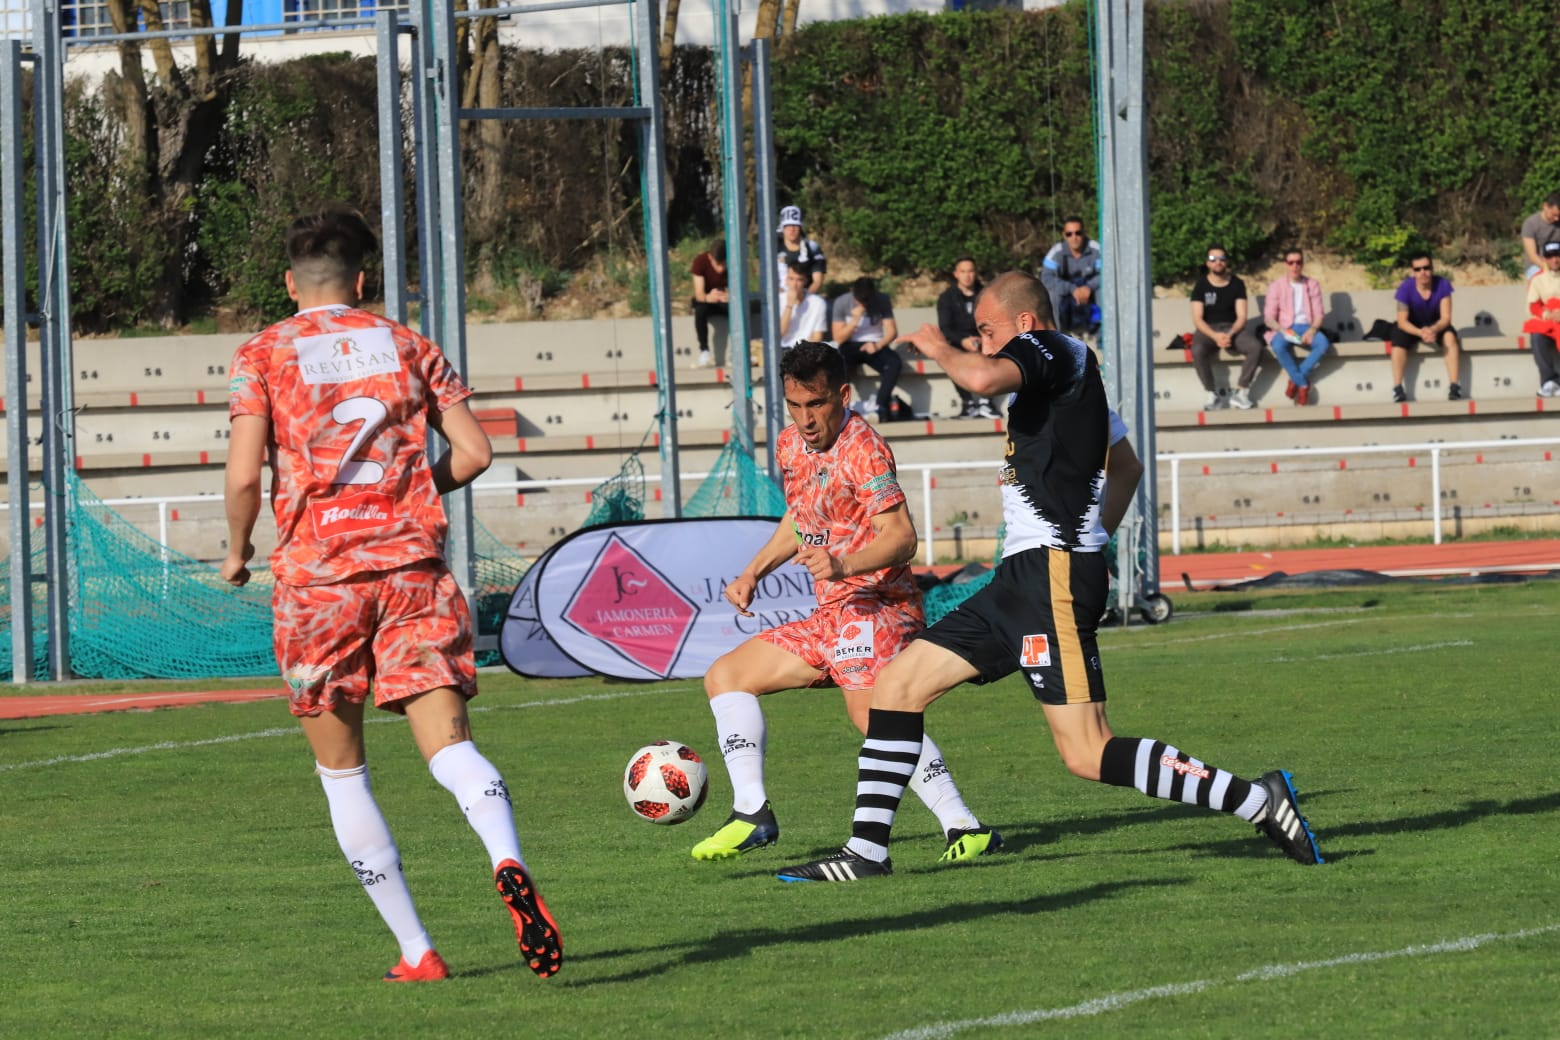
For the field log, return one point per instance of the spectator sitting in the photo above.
(1538, 230)
(1293, 312)
(1424, 315)
(1543, 298)
(795, 248)
(864, 328)
(1071, 273)
(804, 315)
(1219, 323)
(956, 320)
(709, 295)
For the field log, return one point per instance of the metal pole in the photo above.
(55, 408)
(926, 514)
(733, 180)
(652, 167)
(392, 185)
(12, 198)
(1126, 285)
(1435, 492)
(1132, 188)
(768, 273)
(444, 297)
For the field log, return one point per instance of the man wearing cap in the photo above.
(797, 250)
(1543, 298)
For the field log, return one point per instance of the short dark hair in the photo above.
(1294, 249)
(1423, 254)
(1019, 292)
(1220, 248)
(807, 360)
(800, 266)
(718, 249)
(1552, 199)
(863, 289)
(327, 247)
(1074, 220)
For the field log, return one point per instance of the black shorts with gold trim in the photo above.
(1038, 616)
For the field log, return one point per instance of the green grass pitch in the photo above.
(173, 873)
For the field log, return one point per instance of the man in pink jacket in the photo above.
(1293, 312)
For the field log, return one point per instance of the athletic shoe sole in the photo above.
(537, 932)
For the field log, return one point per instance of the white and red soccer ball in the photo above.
(665, 782)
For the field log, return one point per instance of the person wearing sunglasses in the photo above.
(1219, 323)
(1424, 316)
(1293, 312)
(1071, 273)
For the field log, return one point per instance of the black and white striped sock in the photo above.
(888, 760)
(1162, 771)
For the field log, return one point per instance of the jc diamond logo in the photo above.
(626, 604)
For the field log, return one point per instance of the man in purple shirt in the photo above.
(1424, 315)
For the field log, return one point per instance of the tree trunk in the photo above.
(170, 126)
(483, 88)
(127, 89)
(668, 36)
(788, 18)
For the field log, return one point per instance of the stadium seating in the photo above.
(569, 400)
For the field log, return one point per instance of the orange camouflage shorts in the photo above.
(402, 633)
(850, 640)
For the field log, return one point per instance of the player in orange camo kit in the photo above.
(847, 523)
(341, 400)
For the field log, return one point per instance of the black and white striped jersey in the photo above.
(1058, 431)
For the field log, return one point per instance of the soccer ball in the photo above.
(665, 782)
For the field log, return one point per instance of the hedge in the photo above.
(1371, 127)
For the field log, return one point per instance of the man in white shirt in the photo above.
(804, 315)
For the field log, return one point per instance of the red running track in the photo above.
(29, 707)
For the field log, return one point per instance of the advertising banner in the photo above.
(644, 600)
(522, 641)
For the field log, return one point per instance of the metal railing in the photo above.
(1435, 450)
(928, 470)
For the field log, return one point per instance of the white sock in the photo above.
(365, 840)
(482, 795)
(740, 728)
(934, 785)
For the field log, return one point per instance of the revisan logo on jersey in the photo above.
(353, 513)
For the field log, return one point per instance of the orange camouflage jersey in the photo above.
(833, 496)
(347, 394)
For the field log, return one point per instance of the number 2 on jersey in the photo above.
(370, 413)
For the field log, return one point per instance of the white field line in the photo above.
(1115, 1001)
(1242, 633)
(283, 731)
(1285, 659)
(1230, 634)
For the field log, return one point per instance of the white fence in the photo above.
(1437, 451)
